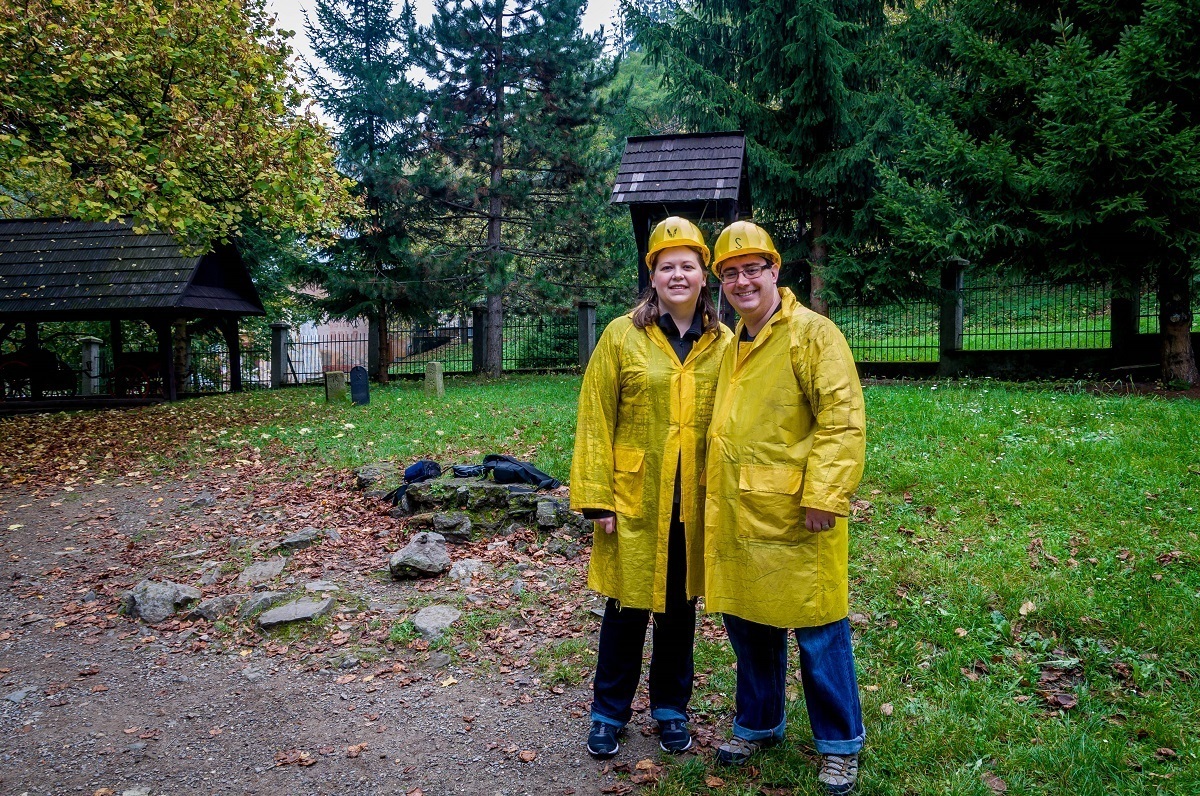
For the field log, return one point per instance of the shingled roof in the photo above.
(683, 168)
(57, 269)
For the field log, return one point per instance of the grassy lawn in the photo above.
(1024, 584)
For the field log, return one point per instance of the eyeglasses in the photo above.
(729, 276)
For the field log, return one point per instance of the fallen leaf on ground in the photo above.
(415, 792)
(886, 708)
(994, 783)
(99, 689)
(294, 757)
(527, 755)
(961, 632)
(1026, 608)
(346, 678)
(448, 681)
(355, 749)
(104, 792)
(714, 782)
(1164, 753)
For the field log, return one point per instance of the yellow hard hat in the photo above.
(743, 237)
(676, 231)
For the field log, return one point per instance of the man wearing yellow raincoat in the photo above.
(639, 451)
(786, 450)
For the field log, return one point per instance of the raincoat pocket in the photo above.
(627, 480)
(769, 507)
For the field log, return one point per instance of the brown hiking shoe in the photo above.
(838, 773)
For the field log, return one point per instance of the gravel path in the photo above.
(106, 706)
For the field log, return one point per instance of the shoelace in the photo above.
(839, 769)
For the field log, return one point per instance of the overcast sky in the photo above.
(290, 16)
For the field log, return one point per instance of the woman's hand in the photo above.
(818, 520)
(607, 524)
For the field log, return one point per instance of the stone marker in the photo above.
(547, 514)
(455, 527)
(360, 389)
(335, 387)
(305, 537)
(154, 602)
(424, 557)
(262, 571)
(433, 379)
(462, 571)
(303, 610)
(259, 601)
(215, 607)
(433, 620)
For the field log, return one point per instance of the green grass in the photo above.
(980, 498)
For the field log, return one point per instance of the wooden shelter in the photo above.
(65, 270)
(701, 176)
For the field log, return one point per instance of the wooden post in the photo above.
(951, 331)
(229, 329)
(181, 352)
(166, 358)
(1125, 316)
(587, 332)
(433, 379)
(279, 354)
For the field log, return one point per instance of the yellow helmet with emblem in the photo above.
(743, 237)
(676, 231)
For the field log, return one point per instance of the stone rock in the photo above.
(18, 696)
(305, 609)
(305, 537)
(235, 543)
(139, 790)
(215, 607)
(154, 602)
(332, 535)
(547, 514)
(204, 499)
(259, 601)
(438, 660)
(184, 556)
(517, 588)
(463, 571)
(254, 675)
(455, 527)
(90, 597)
(560, 546)
(379, 473)
(423, 557)
(321, 586)
(262, 571)
(431, 621)
(210, 572)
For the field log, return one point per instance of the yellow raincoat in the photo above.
(639, 409)
(787, 433)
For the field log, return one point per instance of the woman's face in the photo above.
(678, 278)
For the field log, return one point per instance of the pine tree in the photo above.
(800, 77)
(1055, 139)
(514, 120)
(383, 267)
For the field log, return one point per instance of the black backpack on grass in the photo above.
(507, 470)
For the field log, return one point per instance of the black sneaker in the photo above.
(673, 736)
(602, 740)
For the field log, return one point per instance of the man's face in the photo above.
(754, 297)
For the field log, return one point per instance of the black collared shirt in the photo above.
(682, 344)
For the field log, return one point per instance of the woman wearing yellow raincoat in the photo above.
(639, 450)
(786, 450)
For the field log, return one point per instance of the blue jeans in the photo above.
(830, 684)
(623, 635)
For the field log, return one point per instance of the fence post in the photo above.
(279, 354)
(90, 365)
(372, 344)
(951, 331)
(479, 341)
(587, 331)
(1125, 316)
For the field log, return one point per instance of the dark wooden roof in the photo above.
(56, 269)
(683, 168)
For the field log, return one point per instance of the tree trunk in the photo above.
(385, 345)
(182, 353)
(494, 359)
(1175, 321)
(819, 255)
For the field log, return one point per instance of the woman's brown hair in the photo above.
(646, 312)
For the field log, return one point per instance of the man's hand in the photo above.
(607, 524)
(818, 520)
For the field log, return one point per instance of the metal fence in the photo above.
(891, 333)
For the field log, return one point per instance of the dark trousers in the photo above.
(830, 684)
(623, 635)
